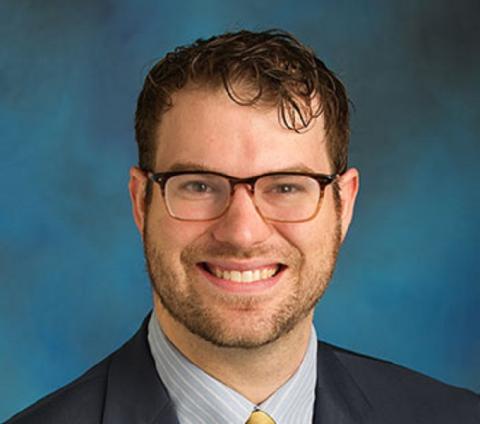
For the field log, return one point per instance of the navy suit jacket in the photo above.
(351, 389)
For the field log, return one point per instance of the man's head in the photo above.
(242, 105)
(268, 68)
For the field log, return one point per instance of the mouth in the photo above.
(243, 275)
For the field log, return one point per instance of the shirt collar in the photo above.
(198, 397)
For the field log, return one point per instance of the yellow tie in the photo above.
(259, 417)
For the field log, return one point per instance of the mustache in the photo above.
(199, 252)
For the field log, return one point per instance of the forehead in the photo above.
(207, 128)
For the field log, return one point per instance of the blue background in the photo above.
(72, 280)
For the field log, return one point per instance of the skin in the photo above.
(252, 340)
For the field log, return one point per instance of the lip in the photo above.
(250, 265)
(245, 288)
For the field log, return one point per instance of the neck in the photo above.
(254, 373)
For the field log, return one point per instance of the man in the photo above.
(243, 198)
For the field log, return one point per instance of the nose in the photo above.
(242, 225)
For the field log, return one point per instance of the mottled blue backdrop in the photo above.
(72, 279)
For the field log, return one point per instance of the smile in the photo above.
(245, 275)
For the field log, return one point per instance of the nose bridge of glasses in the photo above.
(248, 184)
(243, 220)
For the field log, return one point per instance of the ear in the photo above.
(349, 185)
(136, 187)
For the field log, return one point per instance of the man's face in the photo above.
(206, 130)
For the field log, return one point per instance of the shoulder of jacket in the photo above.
(393, 387)
(78, 402)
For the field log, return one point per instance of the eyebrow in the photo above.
(193, 166)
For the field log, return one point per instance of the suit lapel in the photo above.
(338, 399)
(134, 392)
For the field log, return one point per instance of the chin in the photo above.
(242, 330)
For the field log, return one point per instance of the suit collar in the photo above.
(134, 391)
(338, 399)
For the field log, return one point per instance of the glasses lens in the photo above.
(287, 198)
(197, 196)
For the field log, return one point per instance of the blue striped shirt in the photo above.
(201, 399)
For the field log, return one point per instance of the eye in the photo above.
(286, 188)
(196, 187)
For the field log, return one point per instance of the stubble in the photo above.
(179, 291)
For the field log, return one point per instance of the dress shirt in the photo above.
(201, 399)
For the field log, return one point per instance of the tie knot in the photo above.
(259, 417)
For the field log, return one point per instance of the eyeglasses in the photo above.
(277, 196)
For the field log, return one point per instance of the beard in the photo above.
(233, 321)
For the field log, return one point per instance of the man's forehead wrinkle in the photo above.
(188, 166)
(195, 166)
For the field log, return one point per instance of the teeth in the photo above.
(236, 276)
(266, 273)
(249, 276)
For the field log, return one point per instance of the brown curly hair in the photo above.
(271, 67)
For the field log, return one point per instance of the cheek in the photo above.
(308, 240)
(164, 231)
(172, 235)
(313, 236)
